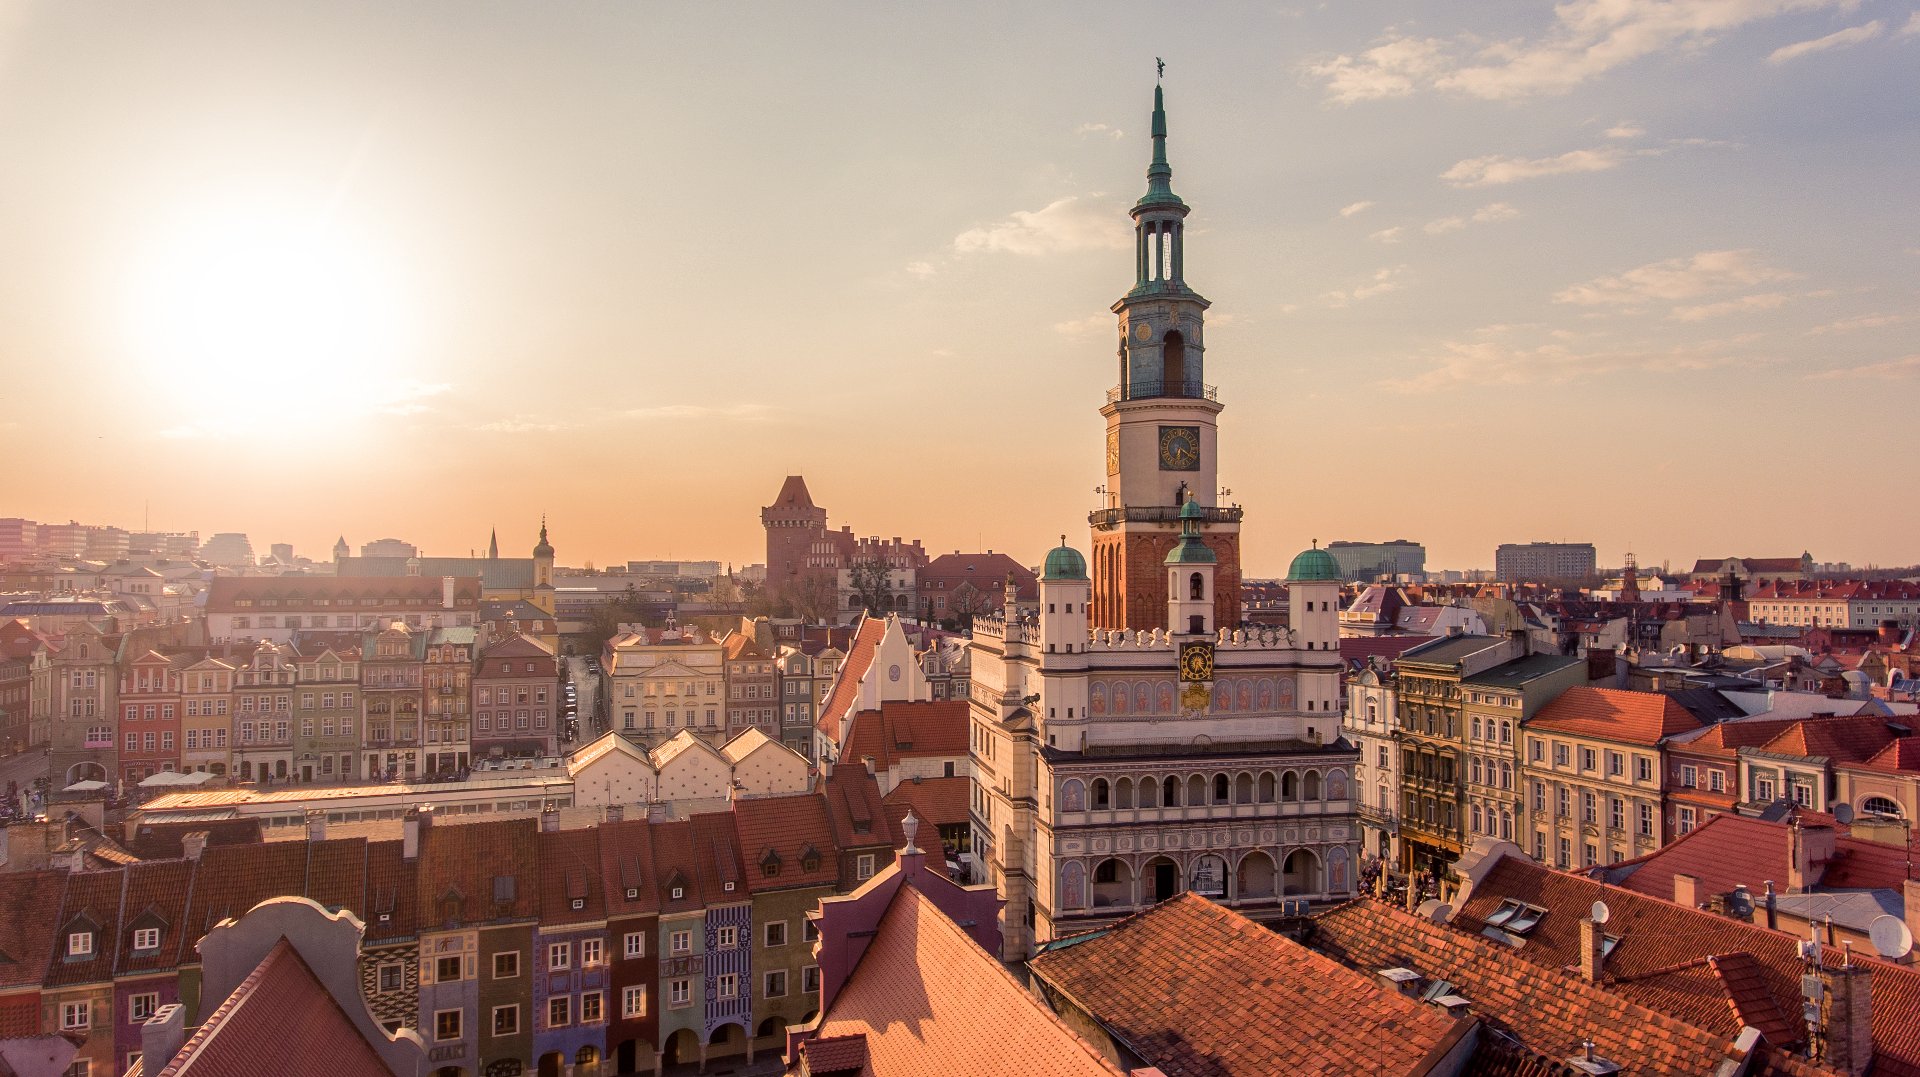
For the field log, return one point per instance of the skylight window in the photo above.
(1516, 917)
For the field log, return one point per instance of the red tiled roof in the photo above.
(716, 856)
(1662, 963)
(231, 879)
(928, 1000)
(846, 686)
(1726, 738)
(93, 899)
(283, 1013)
(1201, 991)
(463, 862)
(1731, 850)
(1901, 756)
(337, 873)
(626, 861)
(854, 806)
(674, 865)
(781, 830)
(32, 900)
(569, 872)
(155, 898)
(1615, 714)
(391, 900)
(936, 802)
(840, 1054)
(1357, 649)
(987, 572)
(902, 730)
(1547, 1009)
(1852, 738)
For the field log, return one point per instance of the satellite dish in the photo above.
(1843, 814)
(1600, 913)
(1891, 937)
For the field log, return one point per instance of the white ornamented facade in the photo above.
(1134, 739)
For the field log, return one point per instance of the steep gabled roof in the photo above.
(1900, 757)
(281, 1012)
(32, 900)
(626, 864)
(927, 999)
(778, 832)
(570, 863)
(1614, 714)
(846, 685)
(853, 803)
(902, 730)
(468, 862)
(1731, 850)
(1850, 739)
(1201, 991)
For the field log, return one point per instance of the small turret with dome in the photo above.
(1313, 600)
(1066, 597)
(543, 571)
(1064, 563)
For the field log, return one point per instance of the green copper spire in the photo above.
(1160, 173)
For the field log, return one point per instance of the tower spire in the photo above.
(1160, 173)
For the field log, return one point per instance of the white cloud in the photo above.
(921, 270)
(1487, 214)
(1383, 281)
(1913, 25)
(1444, 225)
(1497, 169)
(1904, 367)
(408, 397)
(1086, 327)
(1625, 129)
(1101, 129)
(1742, 305)
(1387, 235)
(1493, 359)
(1587, 39)
(1067, 224)
(671, 412)
(1839, 39)
(523, 424)
(1676, 279)
(1864, 321)
(1355, 207)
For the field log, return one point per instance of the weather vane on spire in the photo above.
(1161, 65)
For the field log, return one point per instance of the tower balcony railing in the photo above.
(1144, 389)
(1105, 519)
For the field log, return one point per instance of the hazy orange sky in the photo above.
(1637, 273)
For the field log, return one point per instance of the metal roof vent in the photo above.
(1590, 1063)
(1401, 981)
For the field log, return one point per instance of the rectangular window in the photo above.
(727, 985)
(146, 938)
(1561, 756)
(1566, 803)
(1689, 776)
(79, 944)
(506, 1020)
(1716, 781)
(141, 1007)
(679, 992)
(1589, 808)
(559, 1011)
(76, 1015)
(775, 933)
(729, 937)
(560, 956)
(775, 984)
(1616, 764)
(1586, 759)
(590, 1006)
(1566, 853)
(446, 1024)
(810, 979)
(1539, 797)
(592, 952)
(446, 970)
(506, 965)
(633, 1002)
(391, 977)
(1646, 820)
(863, 866)
(1686, 820)
(1642, 769)
(636, 944)
(681, 942)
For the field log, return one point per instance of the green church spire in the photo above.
(1160, 173)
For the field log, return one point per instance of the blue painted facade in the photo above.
(736, 960)
(576, 981)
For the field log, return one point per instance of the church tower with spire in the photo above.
(1162, 423)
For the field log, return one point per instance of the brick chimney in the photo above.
(192, 845)
(1810, 846)
(549, 819)
(1686, 890)
(1592, 954)
(1846, 1016)
(316, 825)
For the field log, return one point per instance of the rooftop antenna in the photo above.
(1600, 914)
(1891, 937)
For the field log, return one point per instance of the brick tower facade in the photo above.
(1162, 423)
(794, 526)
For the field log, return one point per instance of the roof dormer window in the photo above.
(79, 943)
(1516, 917)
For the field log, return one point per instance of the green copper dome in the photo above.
(1314, 564)
(1064, 563)
(1190, 551)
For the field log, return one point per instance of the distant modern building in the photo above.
(1371, 560)
(695, 569)
(1516, 563)
(229, 549)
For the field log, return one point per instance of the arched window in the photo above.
(1289, 786)
(1148, 790)
(1266, 787)
(1881, 806)
(1196, 587)
(1102, 795)
(1196, 790)
(1220, 789)
(1310, 789)
(1170, 791)
(1123, 793)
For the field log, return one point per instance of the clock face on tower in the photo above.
(1113, 452)
(1179, 448)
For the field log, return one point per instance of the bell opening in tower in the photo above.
(1173, 365)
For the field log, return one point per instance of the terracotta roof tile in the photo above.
(716, 856)
(156, 899)
(1901, 756)
(280, 1004)
(91, 903)
(570, 871)
(1662, 960)
(1547, 1009)
(231, 879)
(1849, 739)
(675, 866)
(854, 806)
(626, 864)
(902, 730)
(780, 831)
(935, 801)
(462, 869)
(337, 873)
(928, 1000)
(1615, 714)
(1201, 991)
(846, 684)
(32, 900)
(390, 902)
